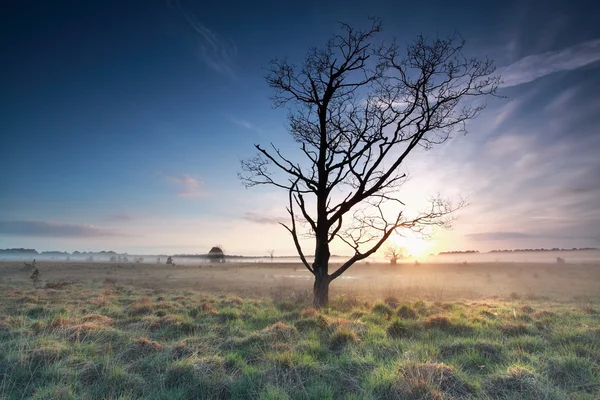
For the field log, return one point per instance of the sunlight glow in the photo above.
(416, 247)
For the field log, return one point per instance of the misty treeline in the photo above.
(357, 108)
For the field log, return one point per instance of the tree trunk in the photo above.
(322, 280)
(321, 292)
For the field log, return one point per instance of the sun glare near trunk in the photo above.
(416, 247)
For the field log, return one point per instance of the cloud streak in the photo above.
(261, 219)
(121, 217)
(485, 236)
(536, 66)
(53, 229)
(188, 185)
(246, 124)
(215, 51)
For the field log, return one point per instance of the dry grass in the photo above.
(137, 339)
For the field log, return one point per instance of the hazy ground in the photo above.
(437, 282)
(235, 331)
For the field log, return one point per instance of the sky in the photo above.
(123, 123)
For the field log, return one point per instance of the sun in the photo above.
(416, 246)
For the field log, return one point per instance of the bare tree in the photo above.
(356, 111)
(271, 254)
(393, 252)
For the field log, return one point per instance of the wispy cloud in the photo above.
(53, 229)
(121, 217)
(188, 185)
(217, 52)
(485, 236)
(245, 124)
(536, 66)
(261, 219)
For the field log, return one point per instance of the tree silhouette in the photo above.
(393, 252)
(216, 253)
(271, 254)
(356, 111)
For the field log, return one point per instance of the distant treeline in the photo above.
(18, 251)
(518, 250)
(238, 256)
(59, 253)
(459, 252)
(553, 249)
(210, 256)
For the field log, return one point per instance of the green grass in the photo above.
(125, 343)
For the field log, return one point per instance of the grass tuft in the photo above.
(342, 337)
(406, 312)
(429, 381)
(398, 330)
(382, 309)
(517, 383)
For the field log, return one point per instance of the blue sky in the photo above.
(123, 123)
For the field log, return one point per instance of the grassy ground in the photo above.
(91, 341)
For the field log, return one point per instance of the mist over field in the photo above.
(313, 200)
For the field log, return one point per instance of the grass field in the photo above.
(101, 331)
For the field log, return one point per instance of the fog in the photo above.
(547, 256)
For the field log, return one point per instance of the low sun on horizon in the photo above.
(415, 245)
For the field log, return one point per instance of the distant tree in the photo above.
(394, 252)
(560, 261)
(357, 109)
(90, 258)
(271, 254)
(35, 276)
(170, 261)
(139, 260)
(158, 260)
(125, 259)
(216, 254)
(113, 259)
